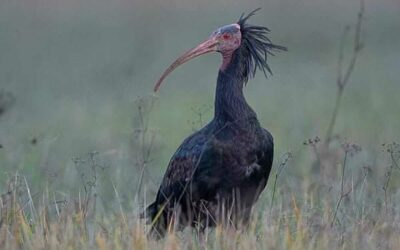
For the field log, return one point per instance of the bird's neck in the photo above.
(230, 103)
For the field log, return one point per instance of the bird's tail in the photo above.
(149, 212)
(156, 217)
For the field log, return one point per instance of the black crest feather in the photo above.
(255, 48)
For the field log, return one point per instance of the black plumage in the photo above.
(218, 173)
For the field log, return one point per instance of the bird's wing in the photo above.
(181, 182)
(204, 165)
(196, 152)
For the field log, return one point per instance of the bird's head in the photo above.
(250, 39)
(226, 39)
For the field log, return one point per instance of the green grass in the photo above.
(299, 219)
(92, 202)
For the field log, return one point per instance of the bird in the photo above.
(217, 174)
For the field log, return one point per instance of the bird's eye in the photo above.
(226, 36)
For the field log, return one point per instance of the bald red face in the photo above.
(229, 38)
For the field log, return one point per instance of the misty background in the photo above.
(76, 70)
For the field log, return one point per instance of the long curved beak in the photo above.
(207, 46)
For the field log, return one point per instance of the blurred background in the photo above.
(77, 76)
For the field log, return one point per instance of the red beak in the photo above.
(207, 46)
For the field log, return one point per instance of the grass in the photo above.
(342, 197)
(301, 220)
